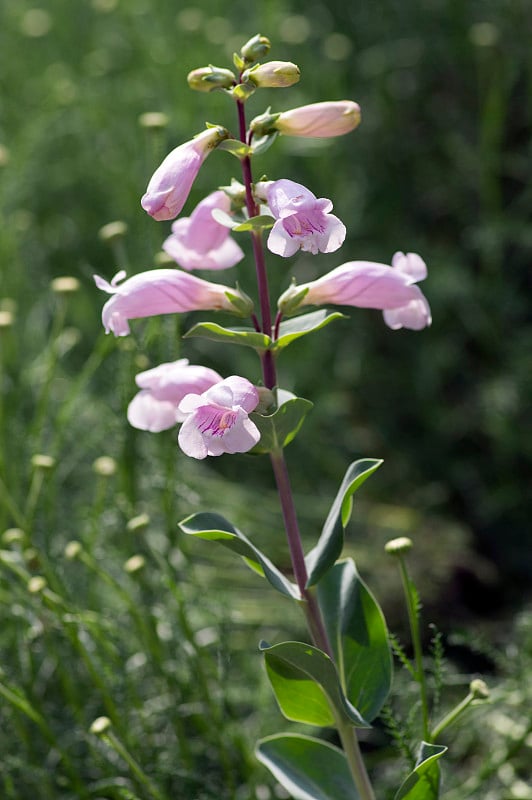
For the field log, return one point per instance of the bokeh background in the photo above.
(440, 165)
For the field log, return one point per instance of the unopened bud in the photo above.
(264, 124)
(113, 231)
(13, 536)
(153, 120)
(162, 259)
(266, 400)
(41, 461)
(236, 192)
(6, 319)
(100, 725)
(4, 155)
(479, 689)
(207, 79)
(138, 523)
(320, 120)
(399, 546)
(273, 74)
(72, 550)
(255, 49)
(134, 564)
(36, 584)
(65, 285)
(104, 466)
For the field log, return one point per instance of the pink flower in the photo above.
(367, 284)
(217, 421)
(158, 291)
(170, 184)
(303, 221)
(331, 118)
(155, 407)
(199, 242)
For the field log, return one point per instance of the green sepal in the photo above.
(359, 639)
(247, 337)
(308, 768)
(278, 429)
(331, 542)
(261, 222)
(238, 62)
(214, 527)
(235, 147)
(263, 143)
(423, 783)
(293, 329)
(306, 685)
(225, 219)
(243, 90)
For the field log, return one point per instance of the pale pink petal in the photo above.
(410, 264)
(244, 393)
(415, 316)
(280, 242)
(333, 236)
(191, 441)
(149, 414)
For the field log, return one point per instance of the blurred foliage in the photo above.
(440, 165)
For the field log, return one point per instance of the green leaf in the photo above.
(331, 542)
(235, 147)
(261, 222)
(278, 429)
(214, 527)
(423, 783)
(223, 218)
(306, 685)
(293, 329)
(358, 636)
(307, 768)
(248, 337)
(263, 143)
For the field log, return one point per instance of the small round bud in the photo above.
(134, 564)
(291, 299)
(162, 259)
(399, 546)
(273, 74)
(153, 120)
(138, 523)
(31, 557)
(13, 536)
(4, 155)
(66, 284)
(36, 584)
(100, 725)
(72, 550)
(255, 49)
(207, 79)
(104, 466)
(41, 461)
(113, 231)
(479, 689)
(6, 319)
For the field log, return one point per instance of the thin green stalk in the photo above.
(452, 716)
(112, 741)
(351, 748)
(413, 619)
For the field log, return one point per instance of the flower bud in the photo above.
(41, 461)
(138, 523)
(290, 300)
(206, 79)
(66, 284)
(153, 120)
(264, 124)
(36, 584)
(321, 120)
(399, 546)
(255, 49)
(134, 564)
(6, 318)
(100, 725)
(72, 550)
(113, 231)
(273, 74)
(479, 689)
(105, 466)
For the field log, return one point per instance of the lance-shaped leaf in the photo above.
(294, 328)
(214, 527)
(306, 685)
(247, 337)
(235, 147)
(261, 222)
(278, 429)
(331, 542)
(307, 768)
(358, 636)
(423, 783)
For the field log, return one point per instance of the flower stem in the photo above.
(351, 748)
(452, 716)
(413, 618)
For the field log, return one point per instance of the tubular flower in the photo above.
(155, 407)
(171, 182)
(217, 421)
(159, 291)
(303, 221)
(366, 284)
(323, 120)
(199, 242)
